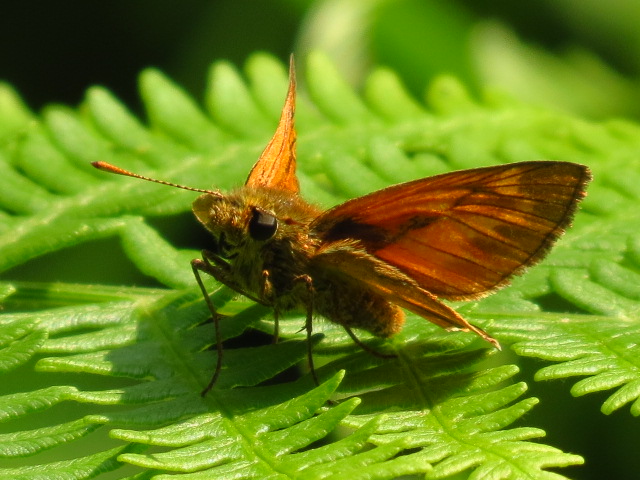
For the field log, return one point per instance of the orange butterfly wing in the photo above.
(276, 167)
(462, 234)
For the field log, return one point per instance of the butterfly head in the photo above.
(235, 222)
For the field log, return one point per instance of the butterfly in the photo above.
(454, 236)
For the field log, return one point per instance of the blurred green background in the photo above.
(581, 57)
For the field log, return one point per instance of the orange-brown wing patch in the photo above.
(276, 167)
(462, 234)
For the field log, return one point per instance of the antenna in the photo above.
(107, 167)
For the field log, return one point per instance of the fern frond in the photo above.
(456, 417)
(132, 361)
(88, 466)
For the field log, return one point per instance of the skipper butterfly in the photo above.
(455, 236)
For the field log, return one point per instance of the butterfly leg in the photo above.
(307, 280)
(366, 347)
(212, 265)
(267, 292)
(200, 265)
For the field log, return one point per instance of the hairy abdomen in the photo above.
(354, 306)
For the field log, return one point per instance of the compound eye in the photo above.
(262, 225)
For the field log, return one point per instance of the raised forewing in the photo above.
(276, 167)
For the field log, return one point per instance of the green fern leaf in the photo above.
(601, 345)
(129, 362)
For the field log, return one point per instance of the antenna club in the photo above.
(107, 167)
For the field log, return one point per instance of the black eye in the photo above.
(262, 225)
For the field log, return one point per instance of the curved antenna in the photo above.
(107, 167)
